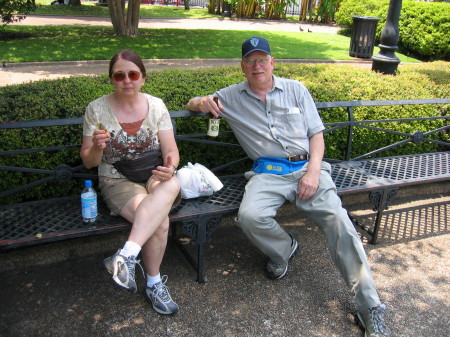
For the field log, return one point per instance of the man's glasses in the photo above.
(132, 75)
(251, 62)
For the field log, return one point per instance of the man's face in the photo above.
(258, 67)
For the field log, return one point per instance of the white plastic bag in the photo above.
(197, 181)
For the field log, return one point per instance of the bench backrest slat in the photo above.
(350, 125)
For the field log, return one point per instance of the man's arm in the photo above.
(204, 104)
(309, 183)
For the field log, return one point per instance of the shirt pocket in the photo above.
(292, 122)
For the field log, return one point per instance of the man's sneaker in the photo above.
(276, 271)
(161, 301)
(372, 320)
(122, 269)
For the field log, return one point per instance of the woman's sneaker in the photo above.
(161, 301)
(372, 320)
(122, 269)
(276, 271)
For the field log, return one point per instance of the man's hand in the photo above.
(205, 104)
(307, 186)
(309, 183)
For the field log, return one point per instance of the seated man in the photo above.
(276, 122)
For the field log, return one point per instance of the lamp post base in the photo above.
(386, 62)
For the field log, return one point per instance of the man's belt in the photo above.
(298, 157)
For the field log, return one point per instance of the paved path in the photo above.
(61, 289)
(17, 73)
(220, 23)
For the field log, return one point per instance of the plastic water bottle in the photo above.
(88, 202)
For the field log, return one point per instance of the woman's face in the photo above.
(124, 77)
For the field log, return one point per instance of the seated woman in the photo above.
(128, 124)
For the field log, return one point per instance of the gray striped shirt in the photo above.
(277, 128)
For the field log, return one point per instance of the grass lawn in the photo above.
(68, 43)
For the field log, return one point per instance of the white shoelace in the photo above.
(378, 315)
(131, 264)
(162, 291)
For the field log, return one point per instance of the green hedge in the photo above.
(423, 26)
(69, 97)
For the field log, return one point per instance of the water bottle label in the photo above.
(89, 208)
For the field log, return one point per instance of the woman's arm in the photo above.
(91, 151)
(170, 155)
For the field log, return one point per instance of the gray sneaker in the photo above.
(122, 269)
(276, 271)
(161, 301)
(372, 320)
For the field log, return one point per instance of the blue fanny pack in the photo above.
(276, 165)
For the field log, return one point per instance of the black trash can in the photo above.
(363, 36)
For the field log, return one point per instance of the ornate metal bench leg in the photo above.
(381, 200)
(201, 241)
(206, 227)
(200, 231)
(173, 228)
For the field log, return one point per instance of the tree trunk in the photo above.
(124, 23)
(303, 10)
(75, 2)
(133, 17)
(211, 6)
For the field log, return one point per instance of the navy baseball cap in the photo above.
(253, 44)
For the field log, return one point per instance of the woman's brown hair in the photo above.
(128, 55)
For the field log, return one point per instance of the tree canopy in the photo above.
(15, 10)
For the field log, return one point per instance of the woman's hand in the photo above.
(91, 151)
(166, 172)
(100, 138)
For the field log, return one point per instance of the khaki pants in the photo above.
(265, 193)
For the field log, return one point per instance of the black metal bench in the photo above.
(56, 219)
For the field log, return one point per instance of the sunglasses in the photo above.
(132, 75)
(251, 62)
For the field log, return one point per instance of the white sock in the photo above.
(152, 280)
(130, 249)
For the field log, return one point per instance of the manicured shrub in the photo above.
(347, 8)
(64, 98)
(423, 26)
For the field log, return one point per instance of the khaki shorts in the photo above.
(117, 192)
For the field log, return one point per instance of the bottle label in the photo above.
(213, 127)
(89, 207)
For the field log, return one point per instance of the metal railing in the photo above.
(63, 172)
(416, 137)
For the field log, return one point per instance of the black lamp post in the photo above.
(386, 61)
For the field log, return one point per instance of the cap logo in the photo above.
(254, 41)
